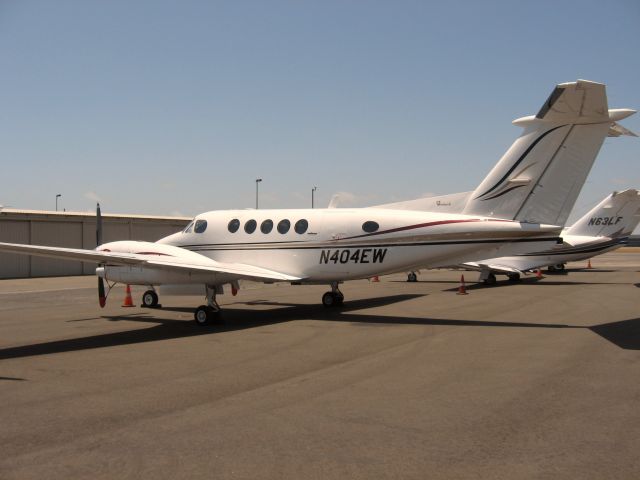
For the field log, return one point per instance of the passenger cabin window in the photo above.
(250, 226)
(201, 226)
(266, 226)
(188, 228)
(284, 226)
(234, 225)
(301, 226)
(370, 226)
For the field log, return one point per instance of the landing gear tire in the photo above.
(332, 299)
(561, 267)
(205, 315)
(412, 277)
(490, 280)
(551, 268)
(514, 277)
(149, 299)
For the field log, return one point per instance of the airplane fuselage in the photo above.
(324, 245)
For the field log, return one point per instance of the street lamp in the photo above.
(258, 180)
(312, 191)
(57, 197)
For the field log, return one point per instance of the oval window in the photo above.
(200, 227)
(370, 226)
(266, 226)
(250, 226)
(234, 225)
(301, 226)
(284, 226)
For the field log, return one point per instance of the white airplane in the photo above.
(516, 209)
(604, 228)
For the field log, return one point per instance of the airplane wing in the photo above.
(493, 267)
(204, 264)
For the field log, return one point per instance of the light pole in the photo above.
(258, 180)
(57, 197)
(312, 191)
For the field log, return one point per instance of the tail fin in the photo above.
(539, 178)
(617, 215)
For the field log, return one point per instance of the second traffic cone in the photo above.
(589, 264)
(539, 273)
(462, 289)
(375, 279)
(128, 301)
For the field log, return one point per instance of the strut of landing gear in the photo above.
(209, 313)
(334, 297)
(150, 299)
(490, 280)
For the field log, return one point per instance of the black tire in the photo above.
(202, 315)
(149, 299)
(412, 277)
(329, 300)
(339, 299)
(561, 266)
(514, 277)
(551, 268)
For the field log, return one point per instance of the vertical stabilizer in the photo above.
(539, 178)
(617, 215)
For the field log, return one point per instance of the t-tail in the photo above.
(539, 178)
(616, 216)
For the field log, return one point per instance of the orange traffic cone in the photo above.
(128, 301)
(589, 264)
(462, 289)
(375, 279)
(539, 273)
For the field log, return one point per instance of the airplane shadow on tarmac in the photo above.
(625, 334)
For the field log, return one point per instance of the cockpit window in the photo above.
(188, 228)
(201, 226)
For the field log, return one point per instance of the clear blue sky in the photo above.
(176, 107)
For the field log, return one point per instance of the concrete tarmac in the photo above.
(537, 379)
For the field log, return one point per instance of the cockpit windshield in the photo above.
(189, 227)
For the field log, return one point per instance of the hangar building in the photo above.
(73, 230)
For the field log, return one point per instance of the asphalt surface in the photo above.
(538, 379)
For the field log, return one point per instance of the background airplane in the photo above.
(516, 209)
(604, 228)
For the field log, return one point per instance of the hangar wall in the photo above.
(73, 230)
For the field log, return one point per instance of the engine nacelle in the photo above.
(138, 275)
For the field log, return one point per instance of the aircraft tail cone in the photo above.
(375, 279)
(539, 273)
(462, 289)
(128, 301)
(589, 264)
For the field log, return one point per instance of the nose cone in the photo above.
(171, 239)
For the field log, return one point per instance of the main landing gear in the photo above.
(490, 279)
(560, 267)
(333, 298)
(412, 277)
(150, 299)
(209, 313)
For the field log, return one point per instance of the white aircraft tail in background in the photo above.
(604, 228)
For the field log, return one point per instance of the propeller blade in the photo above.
(102, 298)
(98, 226)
